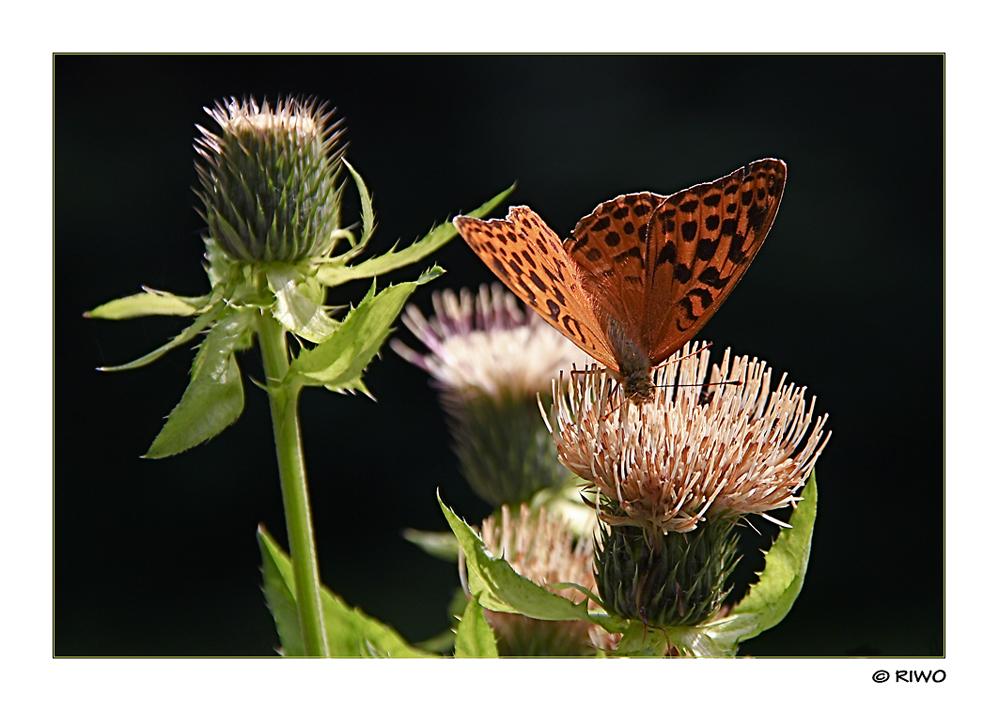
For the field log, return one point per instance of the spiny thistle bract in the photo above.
(674, 580)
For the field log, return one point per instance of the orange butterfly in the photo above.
(642, 273)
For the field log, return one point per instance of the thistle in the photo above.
(271, 200)
(543, 549)
(673, 476)
(269, 180)
(489, 360)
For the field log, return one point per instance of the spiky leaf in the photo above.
(367, 211)
(299, 313)
(474, 637)
(770, 598)
(500, 588)
(337, 272)
(214, 397)
(214, 313)
(150, 302)
(349, 632)
(340, 360)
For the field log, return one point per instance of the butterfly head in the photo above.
(638, 386)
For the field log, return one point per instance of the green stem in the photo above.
(294, 489)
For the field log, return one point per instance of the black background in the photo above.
(160, 558)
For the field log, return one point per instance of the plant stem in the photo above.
(294, 489)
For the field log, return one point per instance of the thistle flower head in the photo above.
(694, 450)
(490, 360)
(540, 547)
(269, 180)
(486, 345)
(674, 474)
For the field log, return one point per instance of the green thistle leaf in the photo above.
(475, 639)
(349, 631)
(441, 545)
(500, 588)
(339, 362)
(213, 314)
(297, 312)
(337, 272)
(214, 397)
(151, 302)
(783, 575)
(367, 211)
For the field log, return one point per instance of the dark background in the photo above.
(160, 558)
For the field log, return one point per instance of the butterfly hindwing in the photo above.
(610, 246)
(529, 258)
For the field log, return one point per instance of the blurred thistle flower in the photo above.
(540, 547)
(675, 474)
(269, 180)
(490, 360)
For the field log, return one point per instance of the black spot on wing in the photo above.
(757, 215)
(712, 278)
(736, 253)
(500, 268)
(706, 249)
(579, 244)
(702, 295)
(667, 254)
(628, 254)
(527, 292)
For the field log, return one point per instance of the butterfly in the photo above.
(642, 273)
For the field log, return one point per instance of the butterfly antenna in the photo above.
(623, 401)
(688, 385)
(611, 411)
(707, 344)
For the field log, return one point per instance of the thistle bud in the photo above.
(269, 180)
(543, 549)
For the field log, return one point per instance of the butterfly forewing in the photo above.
(701, 241)
(529, 258)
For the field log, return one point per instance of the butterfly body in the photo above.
(633, 368)
(641, 274)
